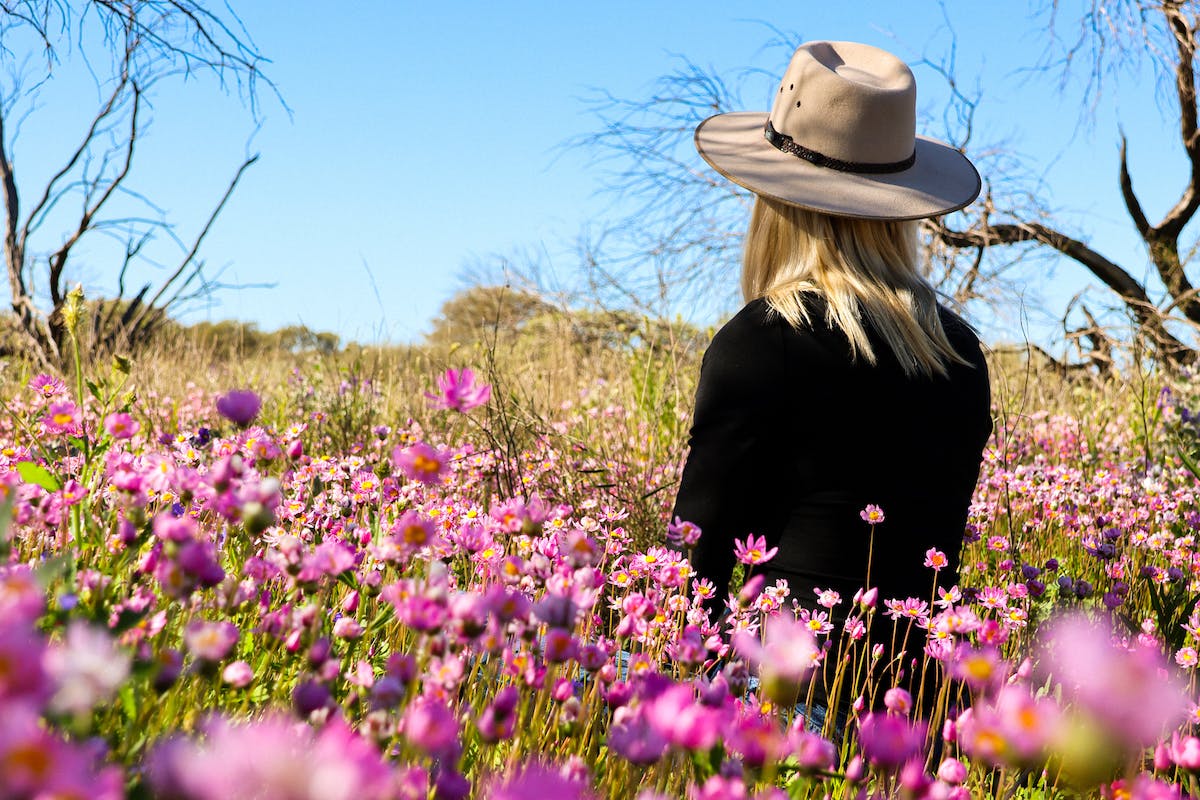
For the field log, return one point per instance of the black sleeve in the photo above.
(730, 463)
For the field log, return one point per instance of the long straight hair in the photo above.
(866, 270)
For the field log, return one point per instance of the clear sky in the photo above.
(426, 136)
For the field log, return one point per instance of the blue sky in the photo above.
(424, 137)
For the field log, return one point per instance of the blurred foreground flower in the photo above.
(784, 658)
(1131, 691)
(537, 781)
(271, 758)
(239, 406)
(87, 669)
(459, 392)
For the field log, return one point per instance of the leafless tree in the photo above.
(129, 47)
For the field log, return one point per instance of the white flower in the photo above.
(87, 669)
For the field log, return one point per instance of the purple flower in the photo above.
(634, 739)
(62, 417)
(47, 386)
(308, 697)
(458, 391)
(21, 650)
(889, 741)
(239, 406)
(537, 780)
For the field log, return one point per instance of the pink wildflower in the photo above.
(420, 462)
(47, 386)
(121, 426)
(681, 532)
(753, 550)
(784, 659)
(429, 726)
(459, 392)
(21, 676)
(238, 674)
(935, 559)
(872, 514)
(210, 641)
(87, 669)
(271, 758)
(682, 720)
(62, 417)
(1129, 691)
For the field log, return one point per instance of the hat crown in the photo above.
(848, 101)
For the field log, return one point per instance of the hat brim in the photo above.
(940, 180)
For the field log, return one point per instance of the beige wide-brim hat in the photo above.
(841, 139)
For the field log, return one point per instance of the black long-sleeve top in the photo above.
(792, 438)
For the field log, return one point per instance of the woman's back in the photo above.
(792, 438)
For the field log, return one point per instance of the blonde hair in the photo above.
(865, 269)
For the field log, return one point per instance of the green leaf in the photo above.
(94, 390)
(38, 475)
(5, 523)
(121, 364)
(128, 704)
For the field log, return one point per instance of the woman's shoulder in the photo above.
(963, 337)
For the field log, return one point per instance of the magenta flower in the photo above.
(420, 462)
(872, 514)
(898, 701)
(62, 417)
(952, 771)
(121, 425)
(1016, 729)
(753, 550)
(239, 406)
(539, 781)
(682, 720)
(35, 763)
(21, 675)
(813, 753)
(459, 392)
(634, 739)
(429, 726)
(47, 386)
(890, 741)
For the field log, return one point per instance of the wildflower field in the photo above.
(333, 586)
